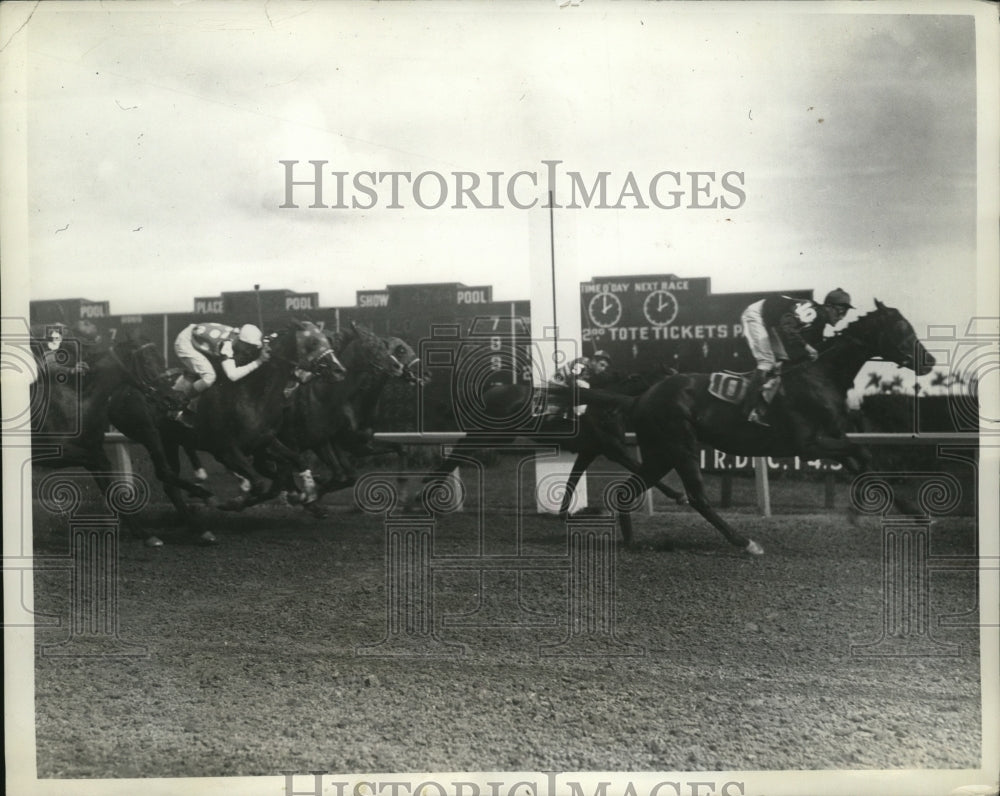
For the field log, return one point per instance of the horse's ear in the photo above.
(879, 305)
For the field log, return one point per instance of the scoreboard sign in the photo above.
(209, 306)
(68, 311)
(372, 298)
(653, 320)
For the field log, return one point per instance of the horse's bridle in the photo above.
(313, 366)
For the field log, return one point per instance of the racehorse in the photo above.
(599, 431)
(234, 420)
(334, 420)
(75, 419)
(355, 439)
(808, 415)
(136, 408)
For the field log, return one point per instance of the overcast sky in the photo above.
(156, 131)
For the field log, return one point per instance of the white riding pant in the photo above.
(194, 359)
(758, 336)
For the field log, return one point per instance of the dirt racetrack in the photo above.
(255, 656)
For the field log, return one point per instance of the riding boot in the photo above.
(755, 398)
(185, 415)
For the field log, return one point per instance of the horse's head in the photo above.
(142, 358)
(362, 351)
(304, 346)
(892, 338)
(407, 357)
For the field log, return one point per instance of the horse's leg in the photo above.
(276, 449)
(616, 451)
(195, 460)
(100, 468)
(857, 460)
(580, 464)
(171, 455)
(448, 464)
(688, 470)
(342, 472)
(238, 462)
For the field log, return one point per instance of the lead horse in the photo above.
(808, 416)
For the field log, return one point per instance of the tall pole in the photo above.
(552, 261)
(260, 316)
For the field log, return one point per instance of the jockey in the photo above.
(786, 329)
(199, 341)
(54, 357)
(581, 371)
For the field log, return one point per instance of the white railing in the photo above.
(123, 461)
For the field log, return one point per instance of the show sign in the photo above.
(369, 299)
(649, 321)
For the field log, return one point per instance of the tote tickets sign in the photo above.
(648, 321)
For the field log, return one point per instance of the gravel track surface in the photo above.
(717, 660)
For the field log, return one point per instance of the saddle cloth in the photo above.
(728, 386)
(732, 387)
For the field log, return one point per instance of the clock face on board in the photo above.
(660, 307)
(605, 309)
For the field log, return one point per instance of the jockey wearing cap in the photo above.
(54, 356)
(581, 371)
(199, 341)
(782, 328)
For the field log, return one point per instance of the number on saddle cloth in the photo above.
(729, 387)
(732, 387)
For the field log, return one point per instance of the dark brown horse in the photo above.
(84, 391)
(355, 438)
(236, 420)
(808, 416)
(334, 419)
(136, 409)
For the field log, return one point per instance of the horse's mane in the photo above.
(339, 339)
(864, 324)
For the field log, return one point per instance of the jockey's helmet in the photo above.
(251, 335)
(54, 336)
(839, 298)
(602, 355)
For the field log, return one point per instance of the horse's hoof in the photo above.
(200, 474)
(207, 538)
(754, 549)
(153, 541)
(682, 501)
